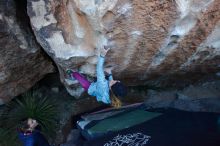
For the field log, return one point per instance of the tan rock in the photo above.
(151, 40)
(22, 62)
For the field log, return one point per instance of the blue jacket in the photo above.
(100, 88)
(34, 139)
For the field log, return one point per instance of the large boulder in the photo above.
(22, 62)
(153, 42)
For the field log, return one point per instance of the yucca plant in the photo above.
(33, 105)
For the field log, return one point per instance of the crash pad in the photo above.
(122, 121)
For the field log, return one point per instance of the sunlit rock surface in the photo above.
(22, 62)
(153, 42)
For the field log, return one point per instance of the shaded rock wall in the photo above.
(153, 42)
(22, 62)
(203, 97)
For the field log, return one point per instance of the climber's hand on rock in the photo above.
(104, 51)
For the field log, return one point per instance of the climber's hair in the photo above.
(118, 92)
(115, 101)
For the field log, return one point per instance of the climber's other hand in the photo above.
(104, 51)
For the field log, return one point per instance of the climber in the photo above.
(108, 90)
(29, 134)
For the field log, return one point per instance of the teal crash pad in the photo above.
(122, 121)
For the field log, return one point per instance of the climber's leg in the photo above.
(82, 80)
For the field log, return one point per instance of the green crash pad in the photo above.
(122, 121)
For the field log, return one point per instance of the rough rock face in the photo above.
(153, 41)
(203, 97)
(22, 62)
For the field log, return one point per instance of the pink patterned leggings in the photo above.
(82, 80)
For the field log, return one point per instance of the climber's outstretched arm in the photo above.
(100, 65)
